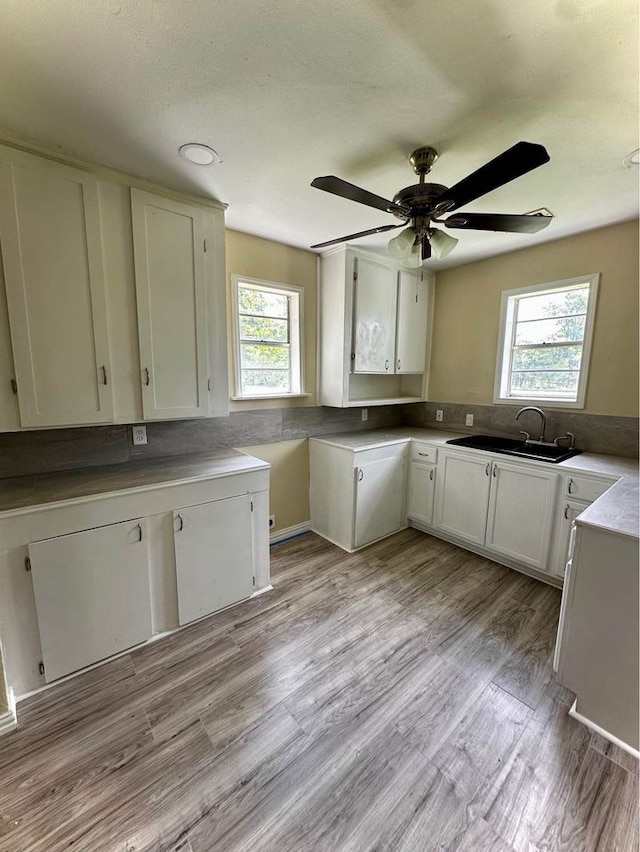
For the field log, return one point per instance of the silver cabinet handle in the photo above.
(424, 454)
(569, 486)
(431, 474)
(146, 375)
(360, 475)
(104, 374)
(487, 468)
(566, 512)
(386, 364)
(181, 527)
(398, 365)
(140, 532)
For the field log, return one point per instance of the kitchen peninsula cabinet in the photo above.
(374, 329)
(53, 268)
(357, 496)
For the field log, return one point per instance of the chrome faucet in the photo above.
(543, 424)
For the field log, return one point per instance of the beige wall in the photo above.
(271, 261)
(289, 491)
(467, 312)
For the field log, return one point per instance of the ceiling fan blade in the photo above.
(337, 186)
(379, 230)
(511, 164)
(426, 247)
(498, 222)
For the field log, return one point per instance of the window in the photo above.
(545, 338)
(268, 323)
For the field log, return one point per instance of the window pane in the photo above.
(564, 303)
(257, 328)
(254, 355)
(551, 358)
(252, 301)
(548, 330)
(256, 382)
(552, 385)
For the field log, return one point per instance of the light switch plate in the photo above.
(139, 434)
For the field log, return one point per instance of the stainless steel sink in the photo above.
(515, 447)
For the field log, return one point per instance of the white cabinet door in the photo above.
(52, 256)
(412, 321)
(374, 318)
(92, 595)
(570, 509)
(422, 483)
(380, 499)
(168, 242)
(462, 496)
(214, 556)
(521, 511)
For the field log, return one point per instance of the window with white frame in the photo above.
(268, 338)
(544, 344)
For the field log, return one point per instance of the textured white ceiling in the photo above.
(285, 90)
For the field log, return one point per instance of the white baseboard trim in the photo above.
(8, 723)
(598, 730)
(289, 532)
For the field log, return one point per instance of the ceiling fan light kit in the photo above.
(421, 204)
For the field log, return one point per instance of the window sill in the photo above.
(271, 396)
(541, 403)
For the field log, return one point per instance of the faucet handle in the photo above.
(527, 436)
(569, 437)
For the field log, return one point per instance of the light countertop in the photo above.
(31, 491)
(617, 510)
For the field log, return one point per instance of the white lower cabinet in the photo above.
(214, 556)
(356, 495)
(421, 492)
(92, 595)
(505, 507)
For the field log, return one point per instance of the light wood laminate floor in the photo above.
(400, 698)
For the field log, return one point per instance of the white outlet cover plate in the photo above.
(468, 420)
(139, 435)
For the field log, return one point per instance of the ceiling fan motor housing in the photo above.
(420, 198)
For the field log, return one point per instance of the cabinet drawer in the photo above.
(423, 453)
(585, 488)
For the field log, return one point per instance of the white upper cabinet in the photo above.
(374, 309)
(374, 330)
(169, 254)
(52, 258)
(412, 323)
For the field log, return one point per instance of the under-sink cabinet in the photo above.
(357, 496)
(86, 577)
(506, 507)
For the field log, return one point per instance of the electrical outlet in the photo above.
(272, 521)
(139, 434)
(439, 415)
(468, 420)
(365, 414)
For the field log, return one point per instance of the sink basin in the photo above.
(515, 447)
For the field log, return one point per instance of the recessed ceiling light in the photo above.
(632, 159)
(198, 154)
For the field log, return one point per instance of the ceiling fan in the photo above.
(423, 203)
